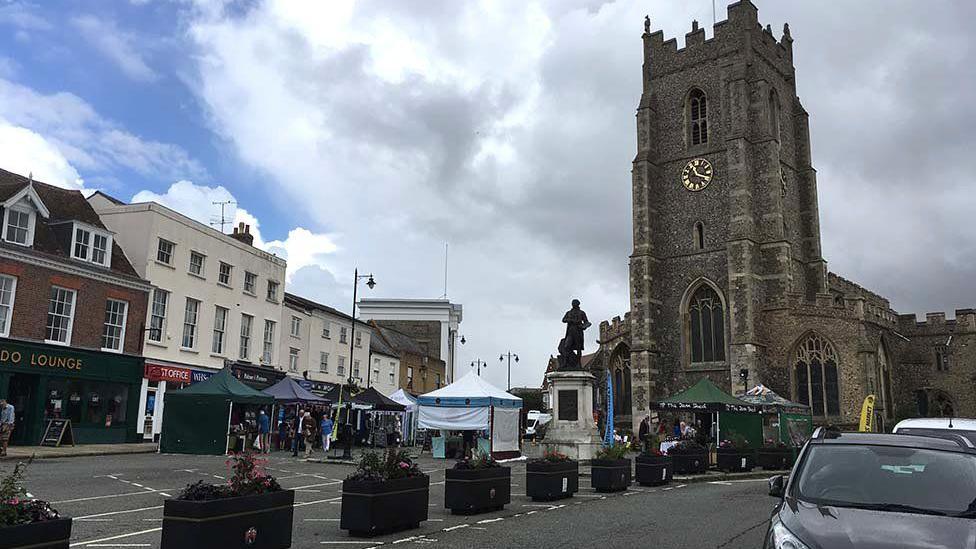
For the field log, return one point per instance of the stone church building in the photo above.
(727, 276)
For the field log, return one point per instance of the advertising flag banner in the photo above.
(867, 415)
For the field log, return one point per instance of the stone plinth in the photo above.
(572, 430)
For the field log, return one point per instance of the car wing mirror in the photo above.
(776, 486)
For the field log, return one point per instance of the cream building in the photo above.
(315, 345)
(216, 298)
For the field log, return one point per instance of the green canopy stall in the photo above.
(783, 420)
(197, 419)
(731, 415)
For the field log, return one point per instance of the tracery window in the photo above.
(707, 326)
(698, 117)
(816, 376)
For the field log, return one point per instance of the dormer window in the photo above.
(19, 226)
(90, 244)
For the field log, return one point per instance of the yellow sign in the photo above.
(867, 414)
(42, 360)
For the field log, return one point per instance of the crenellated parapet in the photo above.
(743, 19)
(936, 323)
(615, 328)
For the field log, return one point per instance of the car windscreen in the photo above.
(943, 433)
(896, 478)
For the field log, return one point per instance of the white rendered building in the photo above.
(216, 298)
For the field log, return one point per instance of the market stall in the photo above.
(472, 404)
(409, 402)
(211, 417)
(384, 418)
(728, 414)
(783, 420)
(288, 391)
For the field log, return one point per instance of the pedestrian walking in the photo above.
(308, 433)
(644, 429)
(7, 419)
(296, 433)
(467, 439)
(325, 431)
(264, 432)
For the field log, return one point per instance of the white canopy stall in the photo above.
(409, 416)
(473, 404)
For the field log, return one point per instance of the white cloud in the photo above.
(24, 152)
(120, 47)
(90, 142)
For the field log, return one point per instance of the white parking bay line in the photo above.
(118, 512)
(317, 501)
(112, 538)
(320, 520)
(448, 529)
(143, 493)
(489, 521)
(351, 542)
(120, 545)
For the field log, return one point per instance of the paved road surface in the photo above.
(117, 502)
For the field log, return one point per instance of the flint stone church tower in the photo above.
(727, 277)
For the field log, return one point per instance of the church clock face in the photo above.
(697, 174)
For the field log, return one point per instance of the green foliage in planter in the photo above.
(686, 447)
(480, 460)
(735, 441)
(248, 479)
(617, 451)
(551, 456)
(15, 507)
(390, 465)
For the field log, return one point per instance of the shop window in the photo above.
(8, 290)
(246, 322)
(60, 315)
(113, 334)
(157, 317)
(87, 403)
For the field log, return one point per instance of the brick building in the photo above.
(727, 278)
(71, 316)
(419, 373)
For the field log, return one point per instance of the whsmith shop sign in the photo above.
(51, 360)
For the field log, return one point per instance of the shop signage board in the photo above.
(58, 432)
(169, 374)
(52, 360)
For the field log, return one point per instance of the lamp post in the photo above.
(510, 355)
(478, 364)
(352, 334)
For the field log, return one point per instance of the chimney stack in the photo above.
(242, 233)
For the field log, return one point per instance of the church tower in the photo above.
(726, 222)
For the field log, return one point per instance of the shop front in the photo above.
(98, 391)
(159, 377)
(256, 377)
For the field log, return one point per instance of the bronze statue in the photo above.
(647, 23)
(571, 346)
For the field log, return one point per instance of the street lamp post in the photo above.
(478, 364)
(510, 355)
(352, 339)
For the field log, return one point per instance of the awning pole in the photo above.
(230, 412)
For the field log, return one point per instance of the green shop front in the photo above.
(98, 391)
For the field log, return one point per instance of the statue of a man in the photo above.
(572, 344)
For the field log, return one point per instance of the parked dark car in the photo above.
(870, 491)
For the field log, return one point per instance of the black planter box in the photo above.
(373, 508)
(733, 460)
(689, 464)
(610, 475)
(251, 522)
(653, 470)
(472, 491)
(774, 459)
(48, 534)
(547, 481)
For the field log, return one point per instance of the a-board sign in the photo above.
(58, 432)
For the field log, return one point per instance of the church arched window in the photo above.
(699, 236)
(773, 112)
(886, 397)
(707, 326)
(697, 117)
(815, 375)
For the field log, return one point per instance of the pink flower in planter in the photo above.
(404, 465)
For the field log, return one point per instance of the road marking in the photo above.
(119, 512)
(120, 545)
(316, 491)
(320, 520)
(681, 486)
(411, 538)
(165, 494)
(449, 528)
(436, 483)
(81, 519)
(723, 483)
(351, 542)
(144, 492)
(135, 484)
(435, 520)
(317, 501)
(116, 537)
(535, 505)
(315, 485)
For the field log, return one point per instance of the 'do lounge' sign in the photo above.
(39, 359)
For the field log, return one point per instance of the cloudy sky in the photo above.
(370, 133)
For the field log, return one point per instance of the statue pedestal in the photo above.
(572, 430)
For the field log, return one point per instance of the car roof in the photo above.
(961, 423)
(884, 439)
